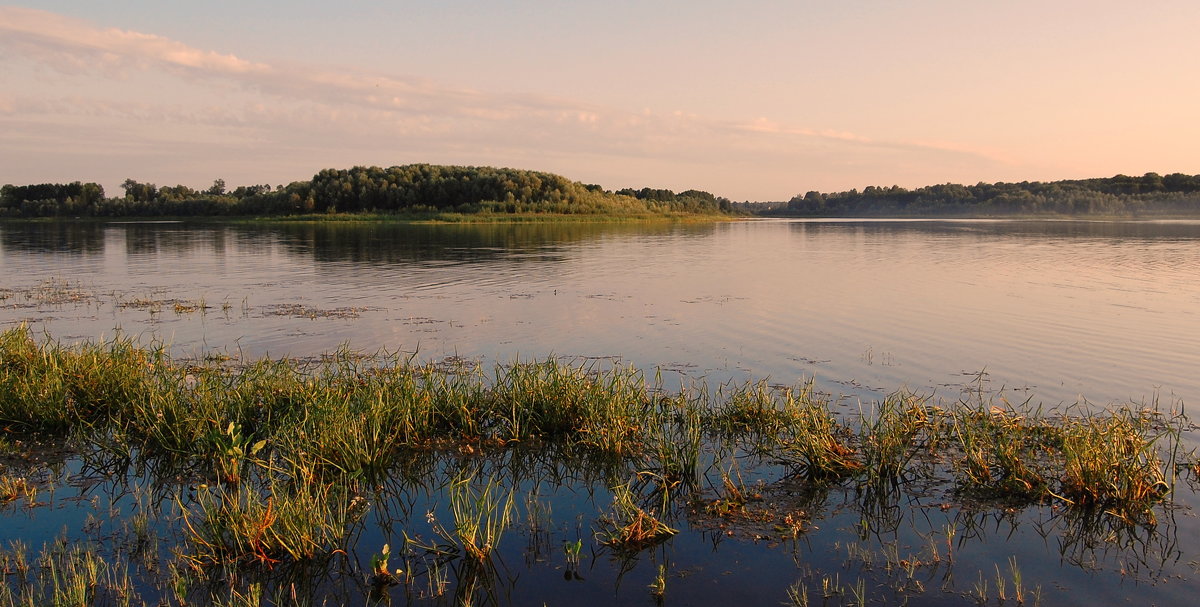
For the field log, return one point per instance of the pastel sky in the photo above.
(752, 100)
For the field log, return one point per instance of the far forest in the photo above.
(416, 189)
(419, 190)
(1122, 195)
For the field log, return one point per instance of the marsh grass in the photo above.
(350, 416)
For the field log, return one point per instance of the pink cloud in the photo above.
(317, 107)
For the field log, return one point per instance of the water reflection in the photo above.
(355, 242)
(918, 553)
(52, 238)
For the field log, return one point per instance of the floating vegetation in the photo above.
(268, 471)
(155, 306)
(303, 311)
(49, 292)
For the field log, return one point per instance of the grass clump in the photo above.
(1121, 462)
(815, 443)
(481, 515)
(1002, 453)
(1113, 462)
(603, 410)
(894, 434)
(240, 525)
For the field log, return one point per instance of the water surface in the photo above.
(1054, 312)
(1057, 311)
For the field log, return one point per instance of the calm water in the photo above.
(1056, 311)
(1053, 311)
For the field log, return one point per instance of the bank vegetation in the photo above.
(416, 190)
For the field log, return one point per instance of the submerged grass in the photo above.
(629, 528)
(62, 574)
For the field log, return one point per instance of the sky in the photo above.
(751, 100)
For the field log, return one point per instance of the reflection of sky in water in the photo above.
(1052, 310)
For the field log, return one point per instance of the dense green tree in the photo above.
(50, 199)
(1120, 194)
(140, 192)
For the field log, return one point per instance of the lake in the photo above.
(1056, 313)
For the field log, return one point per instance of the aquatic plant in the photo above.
(629, 528)
(571, 550)
(1003, 453)
(16, 487)
(732, 499)
(893, 434)
(381, 575)
(1112, 462)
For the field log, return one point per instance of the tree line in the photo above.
(1151, 193)
(415, 188)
